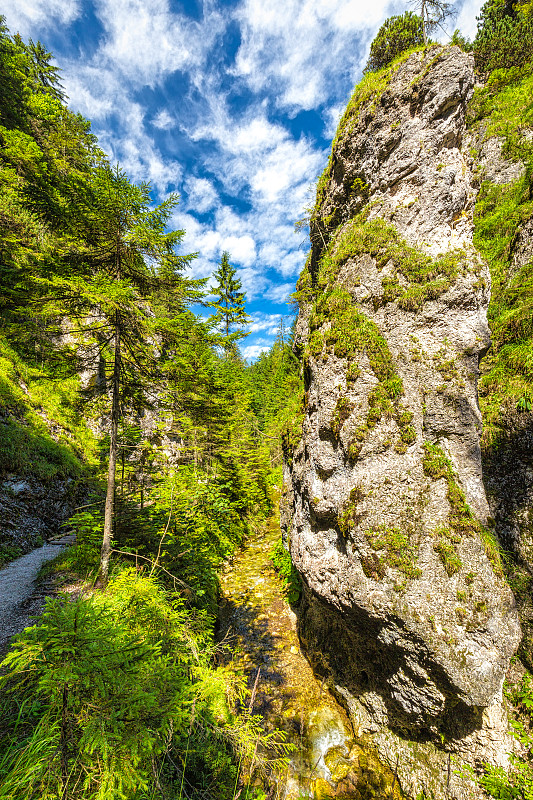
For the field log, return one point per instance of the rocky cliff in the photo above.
(405, 609)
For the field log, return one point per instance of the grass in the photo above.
(503, 108)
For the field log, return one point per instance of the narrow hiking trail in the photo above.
(20, 597)
(328, 761)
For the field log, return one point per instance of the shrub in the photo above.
(461, 41)
(396, 35)
(505, 35)
(113, 696)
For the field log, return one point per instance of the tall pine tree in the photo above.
(127, 258)
(230, 304)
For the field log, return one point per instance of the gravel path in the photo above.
(20, 598)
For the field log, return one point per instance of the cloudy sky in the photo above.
(231, 103)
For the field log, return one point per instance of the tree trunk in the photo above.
(110, 496)
(423, 10)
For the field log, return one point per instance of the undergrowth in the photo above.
(281, 559)
(503, 108)
(113, 695)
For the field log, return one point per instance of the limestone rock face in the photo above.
(404, 606)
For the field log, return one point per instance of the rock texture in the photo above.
(32, 511)
(404, 606)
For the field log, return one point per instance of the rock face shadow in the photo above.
(349, 650)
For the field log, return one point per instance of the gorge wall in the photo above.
(405, 610)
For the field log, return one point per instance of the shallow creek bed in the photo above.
(257, 622)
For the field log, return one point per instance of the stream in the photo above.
(328, 762)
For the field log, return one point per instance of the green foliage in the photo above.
(82, 557)
(461, 41)
(341, 412)
(113, 695)
(281, 559)
(396, 35)
(276, 393)
(106, 694)
(504, 37)
(292, 432)
(230, 304)
(503, 108)
(448, 554)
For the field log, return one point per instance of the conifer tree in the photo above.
(105, 291)
(230, 304)
(396, 35)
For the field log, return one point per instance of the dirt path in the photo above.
(328, 761)
(20, 597)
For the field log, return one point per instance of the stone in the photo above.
(404, 605)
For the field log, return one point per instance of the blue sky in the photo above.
(231, 103)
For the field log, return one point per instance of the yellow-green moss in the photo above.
(32, 405)
(461, 521)
(398, 550)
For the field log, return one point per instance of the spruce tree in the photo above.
(230, 304)
(105, 291)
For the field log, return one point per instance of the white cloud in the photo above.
(298, 60)
(202, 195)
(163, 120)
(27, 16)
(241, 249)
(264, 323)
(145, 40)
(279, 293)
(252, 351)
(332, 117)
(466, 21)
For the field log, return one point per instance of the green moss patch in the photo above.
(427, 278)
(461, 521)
(32, 404)
(350, 516)
(395, 549)
(339, 327)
